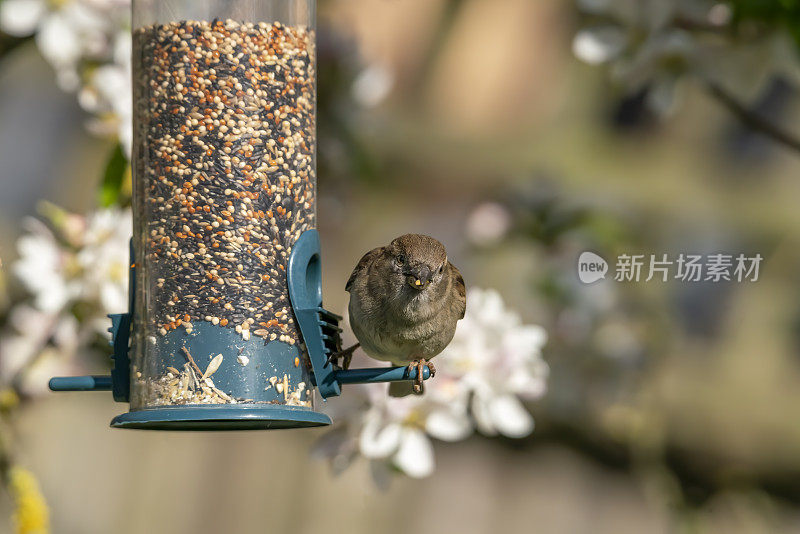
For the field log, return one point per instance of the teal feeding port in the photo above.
(225, 328)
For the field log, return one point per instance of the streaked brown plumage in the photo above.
(405, 301)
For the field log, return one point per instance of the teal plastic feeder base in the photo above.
(221, 417)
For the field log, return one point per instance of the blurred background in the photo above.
(520, 133)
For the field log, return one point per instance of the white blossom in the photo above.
(104, 260)
(81, 261)
(498, 360)
(43, 268)
(88, 44)
(598, 45)
(398, 429)
(21, 17)
(91, 265)
(493, 363)
(659, 43)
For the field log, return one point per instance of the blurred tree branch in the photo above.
(699, 480)
(450, 14)
(751, 118)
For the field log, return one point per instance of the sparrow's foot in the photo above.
(419, 387)
(346, 354)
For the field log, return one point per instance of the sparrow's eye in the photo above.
(441, 268)
(401, 259)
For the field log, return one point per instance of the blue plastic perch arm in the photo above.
(351, 376)
(379, 374)
(80, 383)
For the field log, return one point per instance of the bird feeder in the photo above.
(225, 328)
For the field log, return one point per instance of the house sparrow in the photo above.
(405, 301)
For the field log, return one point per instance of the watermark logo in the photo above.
(663, 267)
(591, 267)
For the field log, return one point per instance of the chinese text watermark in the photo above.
(664, 267)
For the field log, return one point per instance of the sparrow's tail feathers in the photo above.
(401, 389)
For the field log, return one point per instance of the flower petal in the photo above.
(59, 42)
(510, 417)
(415, 456)
(20, 17)
(448, 425)
(482, 416)
(598, 45)
(378, 441)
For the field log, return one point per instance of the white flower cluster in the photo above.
(88, 44)
(76, 273)
(493, 363)
(662, 43)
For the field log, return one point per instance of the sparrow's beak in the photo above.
(419, 277)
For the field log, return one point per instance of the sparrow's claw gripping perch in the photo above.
(419, 387)
(347, 354)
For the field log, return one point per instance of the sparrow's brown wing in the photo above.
(461, 289)
(362, 264)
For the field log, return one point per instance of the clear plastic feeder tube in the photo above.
(224, 184)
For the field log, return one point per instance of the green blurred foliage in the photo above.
(784, 13)
(114, 189)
